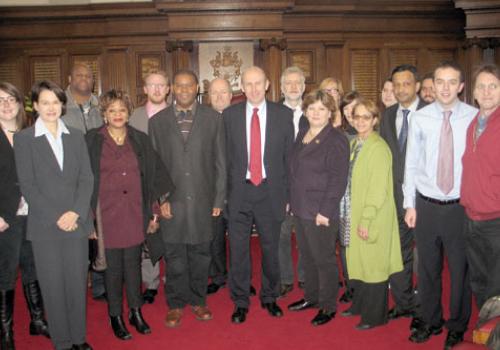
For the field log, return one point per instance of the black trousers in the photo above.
(370, 301)
(317, 247)
(16, 251)
(62, 267)
(482, 243)
(218, 267)
(187, 268)
(402, 282)
(123, 265)
(440, 228)
(255, 208)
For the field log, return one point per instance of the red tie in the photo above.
(255, 165)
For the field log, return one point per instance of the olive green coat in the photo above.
(372, 207)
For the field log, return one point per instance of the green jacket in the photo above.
(372, 207)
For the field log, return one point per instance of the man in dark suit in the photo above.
(394, 129)
(189, 138)
(259, 136)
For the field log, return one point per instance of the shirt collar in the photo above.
(454, 110)
(412, 108)
(152, 108)
(192, 109)
(261, 107)
(41, 128)
(294, 109)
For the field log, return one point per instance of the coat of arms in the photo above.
(227, 65)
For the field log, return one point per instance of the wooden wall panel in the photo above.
(46, 68)
(404, 56)
(364, 72)
(11, 70)
(116, 70)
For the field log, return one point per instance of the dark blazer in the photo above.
(278, 144)
(198, 170)
(155, 179)
(389, 134)
(10, 193)
(49, 191)
(318, 174)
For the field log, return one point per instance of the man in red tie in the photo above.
(259, 135)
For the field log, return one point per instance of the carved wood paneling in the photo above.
(46, 68)
(404, 56)
(116, 70)
(364, 72)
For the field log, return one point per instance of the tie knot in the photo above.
(447, 114)
(255, 110)
(406, 112)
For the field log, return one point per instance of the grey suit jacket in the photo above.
(278, 145)
(139, 119)
(49, 191)
(198, 171)
(389, 134)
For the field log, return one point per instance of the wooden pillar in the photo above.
(181, 54)
(495, 45)
(273, 58)
(473, 58)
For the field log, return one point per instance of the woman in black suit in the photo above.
(14, 248)
(55, 177)
(129, 178)
(318, 176)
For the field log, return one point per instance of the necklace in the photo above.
(119, 140)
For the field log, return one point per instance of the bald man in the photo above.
(259, 136)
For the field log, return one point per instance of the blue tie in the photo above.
(403, 134)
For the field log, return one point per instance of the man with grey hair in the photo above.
(292, 87)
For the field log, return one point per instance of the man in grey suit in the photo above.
(156, 89)
(189, 138)
(259, 136)
(394, 130)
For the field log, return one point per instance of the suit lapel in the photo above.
(172, 126)
(68, 154)
(317, 141)
(269, 128)
(45, 150)
(241, 130)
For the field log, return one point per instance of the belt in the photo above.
(439, 202)
(247, 181)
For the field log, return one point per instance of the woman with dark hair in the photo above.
(56, 180)
(346, 105)
(369, 227)
(318, 176)
(129, 178)
(14, 248)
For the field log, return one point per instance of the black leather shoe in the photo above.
(253, 292)
(302, 285)
(322, 317)
(396, 313)
(285, 289)
(149, 296)
(84, 346)
(119, 328)
(416, 323)
(346, 297)
(423, 333)
(363, 326)
(33, 296)
(135, 318)
(239, 315)
(273, 309)
(347, 313)
(212, 288)
(453, 338)
(302, 304)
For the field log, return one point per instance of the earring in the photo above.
(106, 121)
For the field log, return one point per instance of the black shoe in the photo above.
(347, 313)
(102, 297)
(322, 317)
(396, 313)
(416, 323)
(119, 328)
(302, 285)
(302, 304)
(135, 318)
(346, 297)
(253, 292)
(453, 338)
(212, 288)
(149, 295)
(423, 333)
(33, 296)
(273, 309)
(363, 326)
(84, 346)
(285, 289)
(6, 320)
(239, 315)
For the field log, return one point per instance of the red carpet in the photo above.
(260, 331)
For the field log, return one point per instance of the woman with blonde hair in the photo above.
(333, 87)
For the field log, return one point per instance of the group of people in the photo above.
(172, 180)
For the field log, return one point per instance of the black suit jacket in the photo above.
(278, 144)
(389, 133)
(10, 193)
(318, 174)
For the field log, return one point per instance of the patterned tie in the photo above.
(403, 133)
(445, 157)
(255, 165)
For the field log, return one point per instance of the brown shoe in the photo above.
(202, 313)
(173, 318)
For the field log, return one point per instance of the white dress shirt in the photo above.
(262, 120)
(54, 142)
(297, 113)
(399, 115)
(423, 151)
